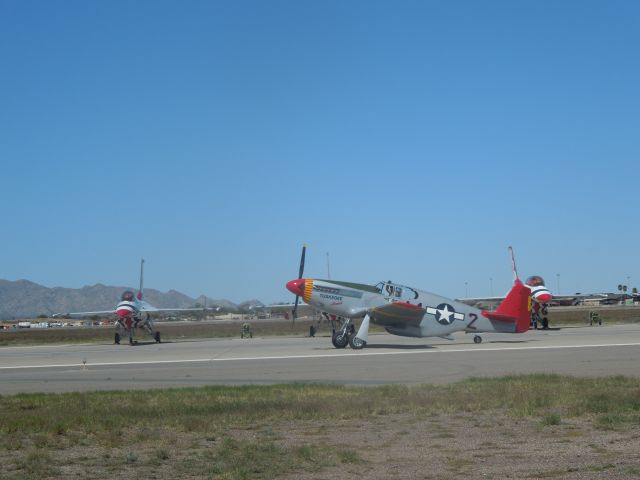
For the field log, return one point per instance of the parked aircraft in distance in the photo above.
(407, 311)
(132, 312)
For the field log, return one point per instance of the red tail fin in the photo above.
(515, 308)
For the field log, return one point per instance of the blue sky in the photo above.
(412, 140)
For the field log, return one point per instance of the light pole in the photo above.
(491, 285)
(558, 282)
(328, 270)
(466, 289)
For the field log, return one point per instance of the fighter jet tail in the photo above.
(140, 290)
(515, 308)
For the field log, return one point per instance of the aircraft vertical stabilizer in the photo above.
(140, 293)
(515, 308)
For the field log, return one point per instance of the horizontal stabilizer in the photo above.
(500, 317)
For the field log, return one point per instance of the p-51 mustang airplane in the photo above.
(132, 312)
(409, 312)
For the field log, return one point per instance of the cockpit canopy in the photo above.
(535, 281)
(128, 296)
(396, 291)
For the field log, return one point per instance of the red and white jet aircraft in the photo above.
(132, 312)
(541, 298)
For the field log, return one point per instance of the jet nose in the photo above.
(296, 287)
(123, 312)
(544, 297)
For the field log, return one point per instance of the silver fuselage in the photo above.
(435, 315)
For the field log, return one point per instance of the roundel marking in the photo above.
(445, 314)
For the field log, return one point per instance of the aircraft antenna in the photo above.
(513, 264)
(141, 278)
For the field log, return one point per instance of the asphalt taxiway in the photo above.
(585, 351)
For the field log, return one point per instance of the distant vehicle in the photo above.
(407, 311)
(132, 312)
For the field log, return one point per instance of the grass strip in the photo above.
(229, 432)
(191, 409)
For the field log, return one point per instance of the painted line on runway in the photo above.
(327, 355)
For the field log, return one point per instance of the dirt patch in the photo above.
(488, 445)
(403, 446)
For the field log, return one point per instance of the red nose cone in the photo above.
(544, 298)
(296, 287)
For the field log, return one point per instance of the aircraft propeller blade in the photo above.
(294, 313)
(301, 270)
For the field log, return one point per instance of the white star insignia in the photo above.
(445, 314)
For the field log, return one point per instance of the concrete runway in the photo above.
(585, 351)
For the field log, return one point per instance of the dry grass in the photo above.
(609, 314)
(237, 432)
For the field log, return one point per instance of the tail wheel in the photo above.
(157, 337)
(130, 340)
(545, 323)
(116, 338)
(339, 339)
(477, 339)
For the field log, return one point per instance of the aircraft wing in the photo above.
(150, 308)
(284, 306)
(154, 309)
(143, 308)
(487, 302)
(399, 312)
(83, 314)
(481, 302)
(286, 309)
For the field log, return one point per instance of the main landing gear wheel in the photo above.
(477, 339)
(116, 339)
(339, 339)
(157, 337)
(545, 323)
(356, 343)
(130, 340)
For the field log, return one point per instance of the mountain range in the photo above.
(25, 299)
